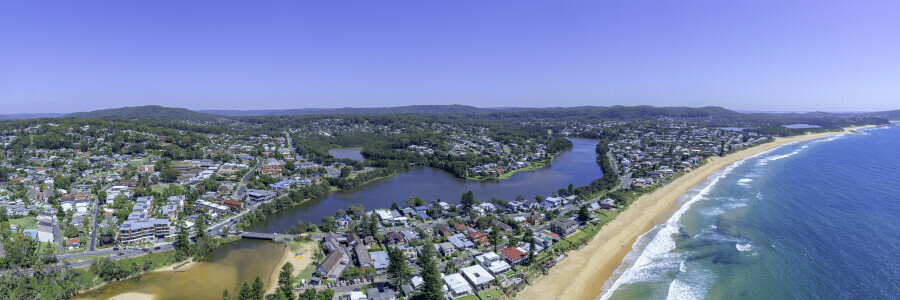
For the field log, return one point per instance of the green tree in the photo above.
(398, 269)
(494, 237)
(182, 244)
(309, 294)
(432, 288)
(530, 249)
(327, 294)
(286, 282)
(225, 295)
(467, 200)
(328, 223)
(259, 289)
(246, 292)
(169, 174)
(583, 214)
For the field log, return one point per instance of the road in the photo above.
(242, 190)
(93, 242)
(114, 254)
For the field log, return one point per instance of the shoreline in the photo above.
(288, 256)
(571, 279)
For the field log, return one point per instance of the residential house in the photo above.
(333, 263)
(478, 277)
(443, 230)
(393, 238)
(460, 241)
(479, 238)
(492, 262)
(513, 255)
(380, 261)
(457, 285)
(445, 249)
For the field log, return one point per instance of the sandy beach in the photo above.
(299, 264)
(582, 274)
(132, 296)
(171, 268)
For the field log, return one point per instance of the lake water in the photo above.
(810, 220)
(577, 166)
(225, 268)
(351, 153)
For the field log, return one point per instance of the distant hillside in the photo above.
(30, 116)
(148, 112)
(893, 115)
(410, 109)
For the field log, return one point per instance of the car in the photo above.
(144, 249)
(115, 248)
(156, 248)
(120, 253)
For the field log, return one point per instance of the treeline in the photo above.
(293, 197)
(608, 181)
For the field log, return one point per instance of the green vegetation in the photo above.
(24, 222)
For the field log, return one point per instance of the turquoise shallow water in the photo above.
(811, 220)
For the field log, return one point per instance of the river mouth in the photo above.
(225, 268)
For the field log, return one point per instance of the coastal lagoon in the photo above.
(577, 166)
(815, 219)
(239, 261)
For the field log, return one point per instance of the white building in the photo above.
(456, 286)
(492, 262)
(477, 276)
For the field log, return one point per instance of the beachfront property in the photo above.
(514, 256)
(478, 277)
(492, 262)
(456, 286)
(563, 227)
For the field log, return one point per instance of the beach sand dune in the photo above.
(582, 274)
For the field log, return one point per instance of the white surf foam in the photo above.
(743, 247)
(657, 255)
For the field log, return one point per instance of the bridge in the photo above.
(273, 236)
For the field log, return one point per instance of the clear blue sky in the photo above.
(61, 56)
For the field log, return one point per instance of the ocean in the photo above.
(818, 219)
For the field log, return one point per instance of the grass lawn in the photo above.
(494, 293)
(86, 258)
(42, 246)
(24, 222)
(307, 273)
(159, 188)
